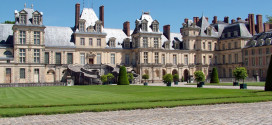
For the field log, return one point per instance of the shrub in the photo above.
(214, 78)
(110, 76)
(168, 78)
(268, 82)
(123, 79)
(176, 77)
(240, 73)
(199, 76)
(104, 78)
(145, 77)
(130, 76)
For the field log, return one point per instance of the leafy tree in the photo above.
(240, 73)
(199, 76)
(9, 22)
(130, 76)
(110, 76)
(104, 78)
(168, 78)
(176, 77)
(269, 19)
(145, 77)
(268, 82)
(123, 79)
(214, 78)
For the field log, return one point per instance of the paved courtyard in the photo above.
(223, 114)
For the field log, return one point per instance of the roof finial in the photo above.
(83, 3)
(32, 6)
(25, 5)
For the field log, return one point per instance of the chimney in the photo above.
(238, 18)
(246, 19)
(251, 23)
(214, 20)
(207, 19)
(77, 15)
(266, 27)
(197, 19)
(226, 19)
(232, 21)
(166, 31)
(259, 23)
(186, 20)
(101, 14)
(126, 28)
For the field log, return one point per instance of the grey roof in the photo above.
(89, 16)
(239, 27)
(59, 37)
(204, 24)
(29, 15)
(174, 37)
(6, 34)
(118, 34)
(261, 39)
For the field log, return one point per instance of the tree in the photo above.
(240, 73)
(199, 76)
(268, 82)
(269, 19)
(145, 77)
(214, 77)
(130, 76)
(176, 77)
(9, 22)
(123, 79)
(110, 76)
(168, 78)
(104, 78)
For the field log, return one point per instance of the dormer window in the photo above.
(112, 43)
(166, 46)
(98, 28)
(155, 26)
(82, 27)
(235, 33)
(223, 35)
(22, 19)
(229, 34)
(36, 20)
(144, 27)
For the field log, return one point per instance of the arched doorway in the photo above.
(186, 75)
(163, 72)
(174, 72)
(50, 76)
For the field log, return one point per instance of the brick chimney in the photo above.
(126, 28)
(186, 20)
(238, 18)
(101, 14)
(259, 23)
(214, 20)
(166, 31)
(207, 19)
(226, 19)
(232, 21)
(194, 20)
(77, 14)
(251, 23)
(197, 19)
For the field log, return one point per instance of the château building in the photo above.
(31, 52)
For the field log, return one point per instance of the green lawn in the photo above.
(231, 84)
(55, 100)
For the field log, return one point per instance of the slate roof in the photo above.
(239, 27)
(174, 37)
(204, 24)
(261, 39)
(89, 15)
(118, 34)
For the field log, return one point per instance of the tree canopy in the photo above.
(9, 22)
(240, 73)
(199, 76)
(269, 19)
(168, 78)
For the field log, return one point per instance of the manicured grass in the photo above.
(231, 84)
(55, 100)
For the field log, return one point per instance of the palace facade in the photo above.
(31, 52)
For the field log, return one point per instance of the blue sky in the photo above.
(173, 12)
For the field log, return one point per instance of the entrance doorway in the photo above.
(36, 76)
(8, 75)
(91, 61)
(186, 75)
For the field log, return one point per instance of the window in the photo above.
(267, 50)
(224, 73)
(81, 27)
(36, 56)
(36, 38)
(166, 46)
(224, 59)
(163, 59)
(98, 58)
(260, 61)
(195, 59)
(229, 45)
(155, 27)
(127, 59)
(58, 58)
(204, 60)
(210, 60)
(246, 61)
(46, 57)
(236, 58)
(175, 59)
(36, 20)
(127, 44)
(82, 41)
(215, 60)
(204, 45)
(82, 58)
(144, 27)
(235, 45)
(260, 51)
(146, 57)
(223, 35)
(69, 58)
(22, 19)
(229, 34)
(145, 42)
(22, 55)
(253, 61)
(253, 52)
(112, 43)
(230, 59)
(186, 59)
(90, 41)
(156, 43)
(235, 33)
(156, 58)
(112, 59)
(22, 37)
(223, 47)
(22, 73)
(230, 72)
(210, 46)
(246, 52)
(98, 42)
(98, 28)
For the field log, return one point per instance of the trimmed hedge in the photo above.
(268, 82)
(214, 77)
(123, 79)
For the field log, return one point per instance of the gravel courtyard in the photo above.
(222, 114)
